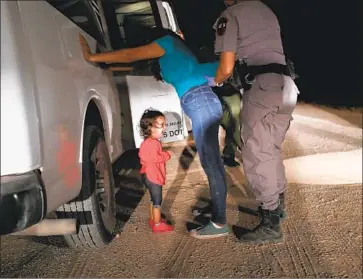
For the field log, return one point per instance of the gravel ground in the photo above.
(322, 234)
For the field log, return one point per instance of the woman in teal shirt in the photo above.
(192, 82)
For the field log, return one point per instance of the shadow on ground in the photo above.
(56, 240)
(242, 196)
(129, 187)
(185, 160)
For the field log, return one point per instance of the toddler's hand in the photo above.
(170, 153)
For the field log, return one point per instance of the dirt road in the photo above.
(322, 234)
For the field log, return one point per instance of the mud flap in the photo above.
(147, 93)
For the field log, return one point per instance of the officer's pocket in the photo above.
(281, 128)
(270, 82)
(247, 127)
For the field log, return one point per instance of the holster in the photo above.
(227, 89)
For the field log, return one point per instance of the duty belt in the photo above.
(269, 68)
(248, 74)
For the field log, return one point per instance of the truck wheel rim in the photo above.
(103, 185)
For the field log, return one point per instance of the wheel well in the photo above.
(93, 117)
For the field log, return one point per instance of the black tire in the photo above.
(96, 224)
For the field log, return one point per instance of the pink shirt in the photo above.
(152, 159)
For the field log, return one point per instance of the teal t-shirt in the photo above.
(180, 68)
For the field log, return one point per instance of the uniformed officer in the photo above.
(249, 32)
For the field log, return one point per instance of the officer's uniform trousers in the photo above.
(265, 118)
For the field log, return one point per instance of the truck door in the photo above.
(167, 15)
(135, 19)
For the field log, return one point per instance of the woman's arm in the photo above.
(127, 55)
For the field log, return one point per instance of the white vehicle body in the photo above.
(48, 86)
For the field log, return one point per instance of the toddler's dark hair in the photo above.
(147, 120)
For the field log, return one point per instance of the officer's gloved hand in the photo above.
(227, 89)
(210, 81)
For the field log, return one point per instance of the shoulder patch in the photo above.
(221, 26)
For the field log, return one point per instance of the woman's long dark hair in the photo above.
(156, 33)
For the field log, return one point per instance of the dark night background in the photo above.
(321, 38)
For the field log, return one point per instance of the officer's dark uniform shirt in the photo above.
(252, 31)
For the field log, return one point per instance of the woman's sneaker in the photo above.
(210, 231)
(162, 227)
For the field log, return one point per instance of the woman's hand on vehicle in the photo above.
(85, 48)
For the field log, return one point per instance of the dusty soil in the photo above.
(322, 234)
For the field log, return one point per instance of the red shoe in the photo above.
(151, 222)
(162, 227)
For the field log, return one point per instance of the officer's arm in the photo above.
(226, 65)
(226, 44)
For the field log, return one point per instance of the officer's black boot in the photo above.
(268, 231)
(281, 208)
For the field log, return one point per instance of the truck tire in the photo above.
(95, 207)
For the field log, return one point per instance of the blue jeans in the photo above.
(204, 109)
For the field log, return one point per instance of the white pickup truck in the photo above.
(65, 121)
